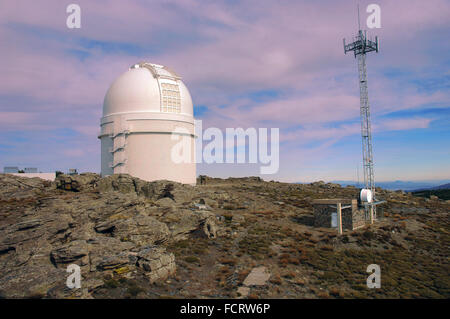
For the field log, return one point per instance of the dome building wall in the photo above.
(142, 109)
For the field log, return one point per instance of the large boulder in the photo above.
(18, 187)
(123, 183)
(76, 250)
(77, 183)
(109, 253)
(156, 262)
(182, 222)
(155, 191)
(141, 230)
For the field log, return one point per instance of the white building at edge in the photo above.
(142, 109)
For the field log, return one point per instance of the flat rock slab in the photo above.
(257, 277)
(243, 291)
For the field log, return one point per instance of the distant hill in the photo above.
(441, 191)
(401, 185)
(443, 186)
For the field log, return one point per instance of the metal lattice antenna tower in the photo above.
(360, 46)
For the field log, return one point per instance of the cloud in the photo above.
(74, 152)
(14, 118)
(403, 124)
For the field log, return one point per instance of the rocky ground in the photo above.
(228, 238)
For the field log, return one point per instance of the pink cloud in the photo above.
(14, 118)
(403, 124)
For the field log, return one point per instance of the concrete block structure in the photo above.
(10, 169)
(326, 213)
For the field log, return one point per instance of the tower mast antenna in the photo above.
(360, 47)
(359, 21)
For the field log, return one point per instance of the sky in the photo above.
(261, 64)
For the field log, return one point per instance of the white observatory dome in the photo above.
(147, 111)
(139, 90)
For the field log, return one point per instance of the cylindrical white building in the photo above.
(147, 118)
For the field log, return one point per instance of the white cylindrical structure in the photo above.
(147, 128)
(366, 195)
